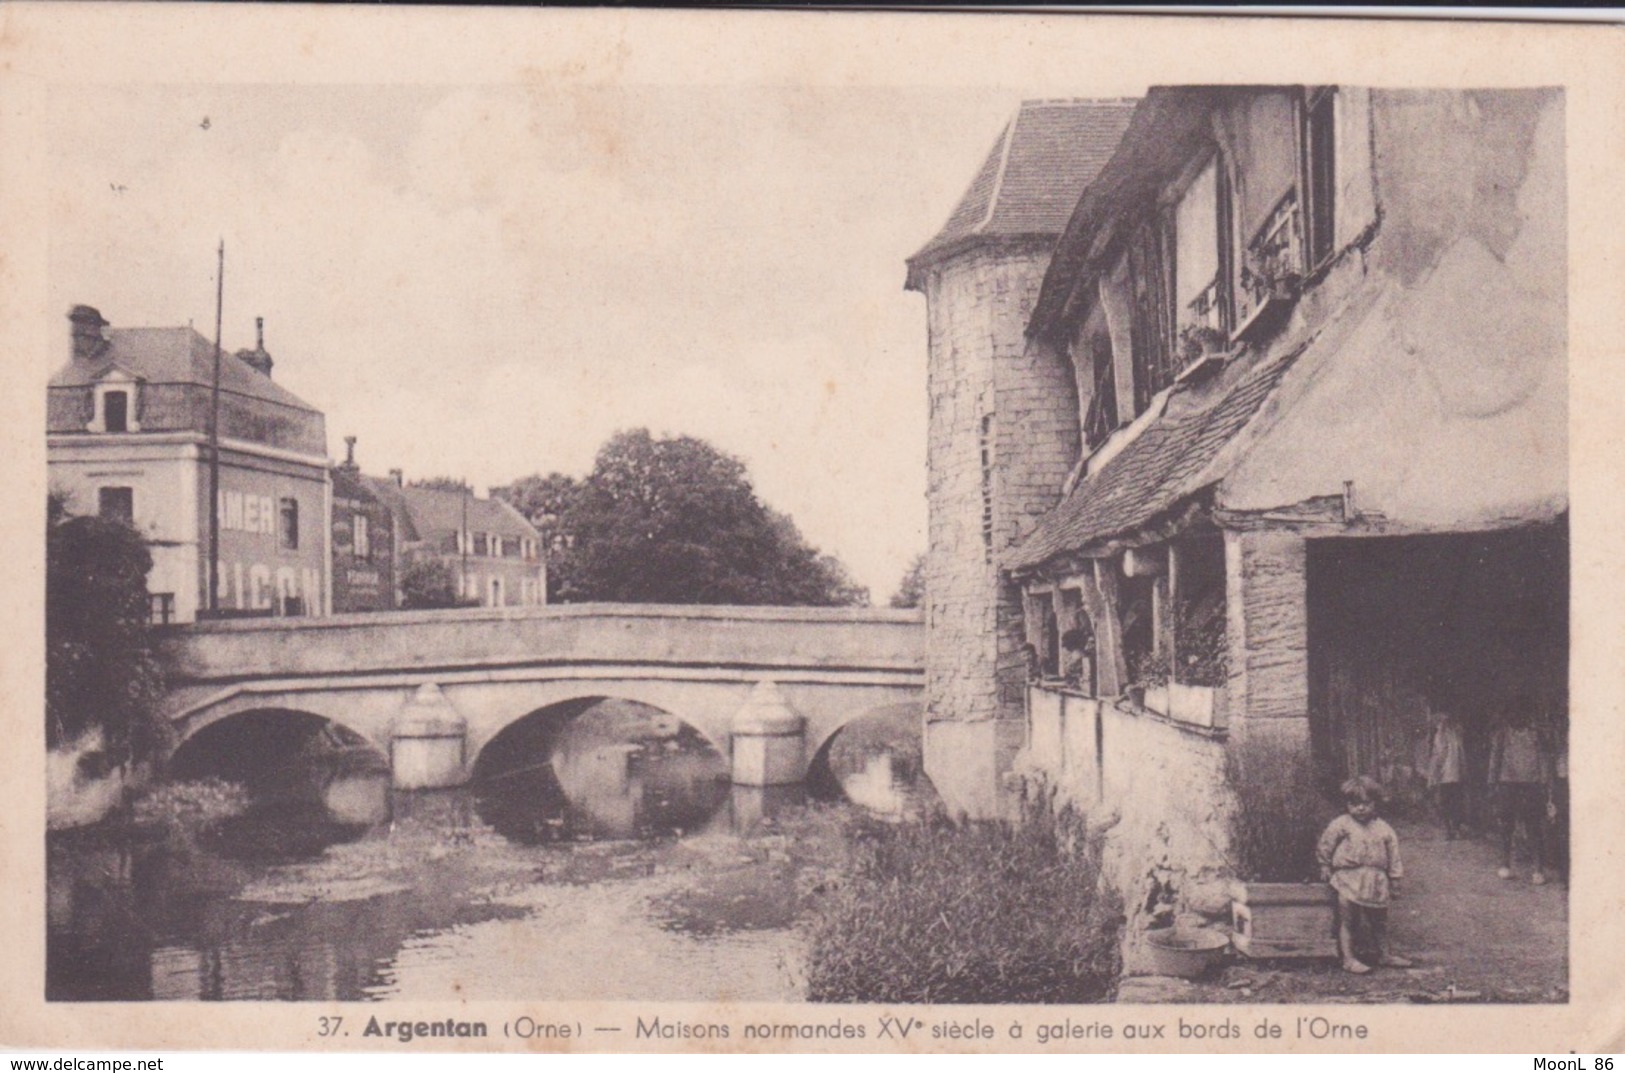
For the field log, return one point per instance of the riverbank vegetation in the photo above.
(101, 675)
(967, 913)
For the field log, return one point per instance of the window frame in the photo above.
(120, 383)
(1317, 175)
(288, 523)
(102, 500)
(123, 410)
(361, 537)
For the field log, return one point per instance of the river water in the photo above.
(623, 866)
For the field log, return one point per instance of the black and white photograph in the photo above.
(697, 562)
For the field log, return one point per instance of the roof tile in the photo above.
(175, 356)
(1151, 475)
(1033, 176)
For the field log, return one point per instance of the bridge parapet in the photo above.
(775, 638)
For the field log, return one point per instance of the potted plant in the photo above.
(1203, 664)
(1150, 682)
(1283, 910)
(1199, 341)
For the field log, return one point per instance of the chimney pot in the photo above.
(86, 332)
(349, 450)
(257, 359)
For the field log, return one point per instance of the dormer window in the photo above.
(116, 411)
(115, 403)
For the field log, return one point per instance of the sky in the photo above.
(488, 282)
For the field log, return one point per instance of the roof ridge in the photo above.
(998, 179)
(1078, 102)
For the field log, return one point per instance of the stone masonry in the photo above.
(1003, 437)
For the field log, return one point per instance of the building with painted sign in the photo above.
(127, 437)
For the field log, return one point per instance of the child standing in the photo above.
(1520, 778)
(1446, 765)
(1359, 856)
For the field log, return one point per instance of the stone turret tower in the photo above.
(1003, 431)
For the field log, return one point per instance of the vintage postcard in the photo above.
(596, 531)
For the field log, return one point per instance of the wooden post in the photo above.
(1109, 630)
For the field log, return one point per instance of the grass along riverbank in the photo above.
(989, 912)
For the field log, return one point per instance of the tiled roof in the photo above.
(349, 484)
(436, 512)
(393, 496)
(1031, 180)
(175, 356)
(1152, 475)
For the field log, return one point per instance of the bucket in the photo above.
(1186, 952)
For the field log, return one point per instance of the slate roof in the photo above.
(350, 484)
(393, 496)
(1152, 475)
(435, 512)
(175, 356)
(1030, 182)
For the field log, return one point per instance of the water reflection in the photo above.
(617, 770)
(875, 762)
(607, 847)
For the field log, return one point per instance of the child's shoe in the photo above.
(1394, 961)
(1538, 879)
(1357, 967)
(1504, 873)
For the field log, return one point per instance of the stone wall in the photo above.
(1002, 438)
(1157, 791)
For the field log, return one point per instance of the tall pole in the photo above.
(214, 438)
(462, 542)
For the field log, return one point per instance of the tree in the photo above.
(429, 583)
(911, 590)
(544, 500)
(674, 520)
(443, 484)
(100, 668)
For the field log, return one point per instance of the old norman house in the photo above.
(1260, 443)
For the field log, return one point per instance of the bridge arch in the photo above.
(600, 765)
(892, 729)
(257, 744)
(492, 708)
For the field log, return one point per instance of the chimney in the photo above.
(257, 359)
(88, 340)
(400, 477)
(348, 465)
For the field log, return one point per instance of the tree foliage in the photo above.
(443, 484)
(429, 583)
(673, 520)
(911, 589)
(100, 668)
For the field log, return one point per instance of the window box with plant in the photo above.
(1202, 349)
(1149, 682)
(1271, 273)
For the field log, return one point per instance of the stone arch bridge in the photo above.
(430, 689)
